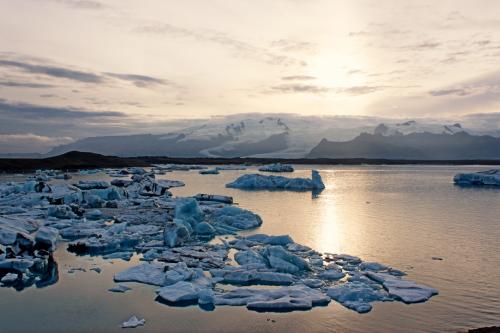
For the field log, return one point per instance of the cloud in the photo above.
(141, 81)
(360, 33)
(298, 78)
(14, 84)
(83, 4)
(29, 142)
(361, 90)
(242, 48)
(445, 92)
(53, 71)
(426, 45)
(299, 88)
(488, 84)
(287, 45)
(31, 111)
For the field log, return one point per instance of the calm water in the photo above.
(398, 215)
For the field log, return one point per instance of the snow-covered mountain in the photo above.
(286, 135)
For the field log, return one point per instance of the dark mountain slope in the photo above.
(419, 146)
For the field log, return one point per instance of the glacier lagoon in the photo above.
(403, 216)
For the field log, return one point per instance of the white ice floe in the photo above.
(9, 278)
(179, 292)
(133, 322)
(213, 171)
(297, 297)
(276, 167)
(120, 289)
(405, 290)
(148, 273)
(482, 178)
(262, 182)
(357, 296)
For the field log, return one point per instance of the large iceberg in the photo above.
(262, 182)
(482, 178)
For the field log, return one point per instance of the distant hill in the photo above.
(418, 146)
(76, 160)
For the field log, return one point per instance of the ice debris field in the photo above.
(191, 247)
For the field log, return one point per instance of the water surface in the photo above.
(397, 215)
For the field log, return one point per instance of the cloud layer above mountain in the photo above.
(78, 68)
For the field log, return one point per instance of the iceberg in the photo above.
(277, 167)
(482, 178)
(262, 182)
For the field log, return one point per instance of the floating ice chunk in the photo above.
(231, 167)
(357, 296)
(316, 180)
(482, 178)
(179, 272)
(46, 238)
(332, 274)
(20, 265)
(188, 210)
(125, 255)
(205, 229)
(235, 217)
(271, 240)
(213, 197)
(283, 260)
(245, 276)
(297, 297)
(10, 233)
(178, 292)
(206, 296)
(92, 184)
(175, 234)
(149, 273)
(262, 182)
(372, 266)
(61, 212)
(136, 171)
(120, 289)
(133, 322)
(277, 167)
(249, 257)
(405, 290)
(313, 283)
(213, 171)
(9, 278)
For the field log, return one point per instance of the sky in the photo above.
(78, 68)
